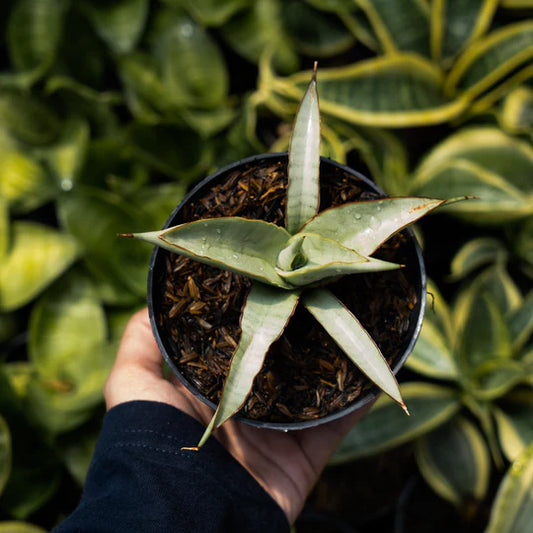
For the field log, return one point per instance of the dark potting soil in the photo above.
(305, 375)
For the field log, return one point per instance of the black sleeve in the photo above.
(141, 481)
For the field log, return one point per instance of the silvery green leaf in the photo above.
(354, 340)
(266, 313)
(323, 259)
(364, 226)
(303, 194)
(243, 246)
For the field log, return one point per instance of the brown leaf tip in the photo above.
(315, 68)
(128, 235)
(190, 448)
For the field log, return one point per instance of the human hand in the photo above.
(286, 465)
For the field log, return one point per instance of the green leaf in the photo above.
(514, 419)
(476, 253)
(247, 247)
(432, 355)
(176, 151)
(364, 226)
(354, 340)
(455, 462)
(119, 23)
(266, 313)
(184, 46)
(484, 334)
(77, 449)
(211, 12)
(516, 114)
(488, 148)
(303, 194)
(24, 183)
(385, 427)
(4, 227)
(394, 91)
(455, 24)
(95, 217)
(19, 527)
(520, 322)
(314, 34)
(34, 32)
(5, 453)
(66, 157)
(258, 29)
(496, 377)
(58, 321)
(400, 25)
(39, 254)
(490, 59)
(512, 511)
(28, 119)
(517, 4)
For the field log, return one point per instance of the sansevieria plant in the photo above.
(294, 264)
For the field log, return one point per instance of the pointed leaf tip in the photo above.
(127, 235)
(190, 448)
(404, 407)
(315, 68)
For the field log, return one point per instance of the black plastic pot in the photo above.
(157, 275)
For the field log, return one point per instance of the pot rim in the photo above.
(367, 396)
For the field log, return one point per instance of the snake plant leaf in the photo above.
(520, 323)
(119, 23)
(516, 115)
(401, 25)
(38, 255)
(314, 34)
(354, 340)
(359, 26)
(323, 259)
(484, 333)
(490, 59)
(364, 226)
(432, 355)
(514, 420)
(455, 462)
(34, 31)
(494, 281)
(393, 91)
(455, 24)
(266, 313)
(495, 377)
(244, 246)
(181, 45)
(258, 28)
(12, 526)
(483, 162)
(303, 194)
(5, 453)
(475, 254)
(512, 511)
(384, 427)
(517, 4)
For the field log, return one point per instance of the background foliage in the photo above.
(111, 109)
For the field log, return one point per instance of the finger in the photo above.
(138, 346)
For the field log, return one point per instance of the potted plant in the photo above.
(252, 236)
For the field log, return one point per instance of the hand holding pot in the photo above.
(286, 465)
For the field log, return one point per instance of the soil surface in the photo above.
(305, 375)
